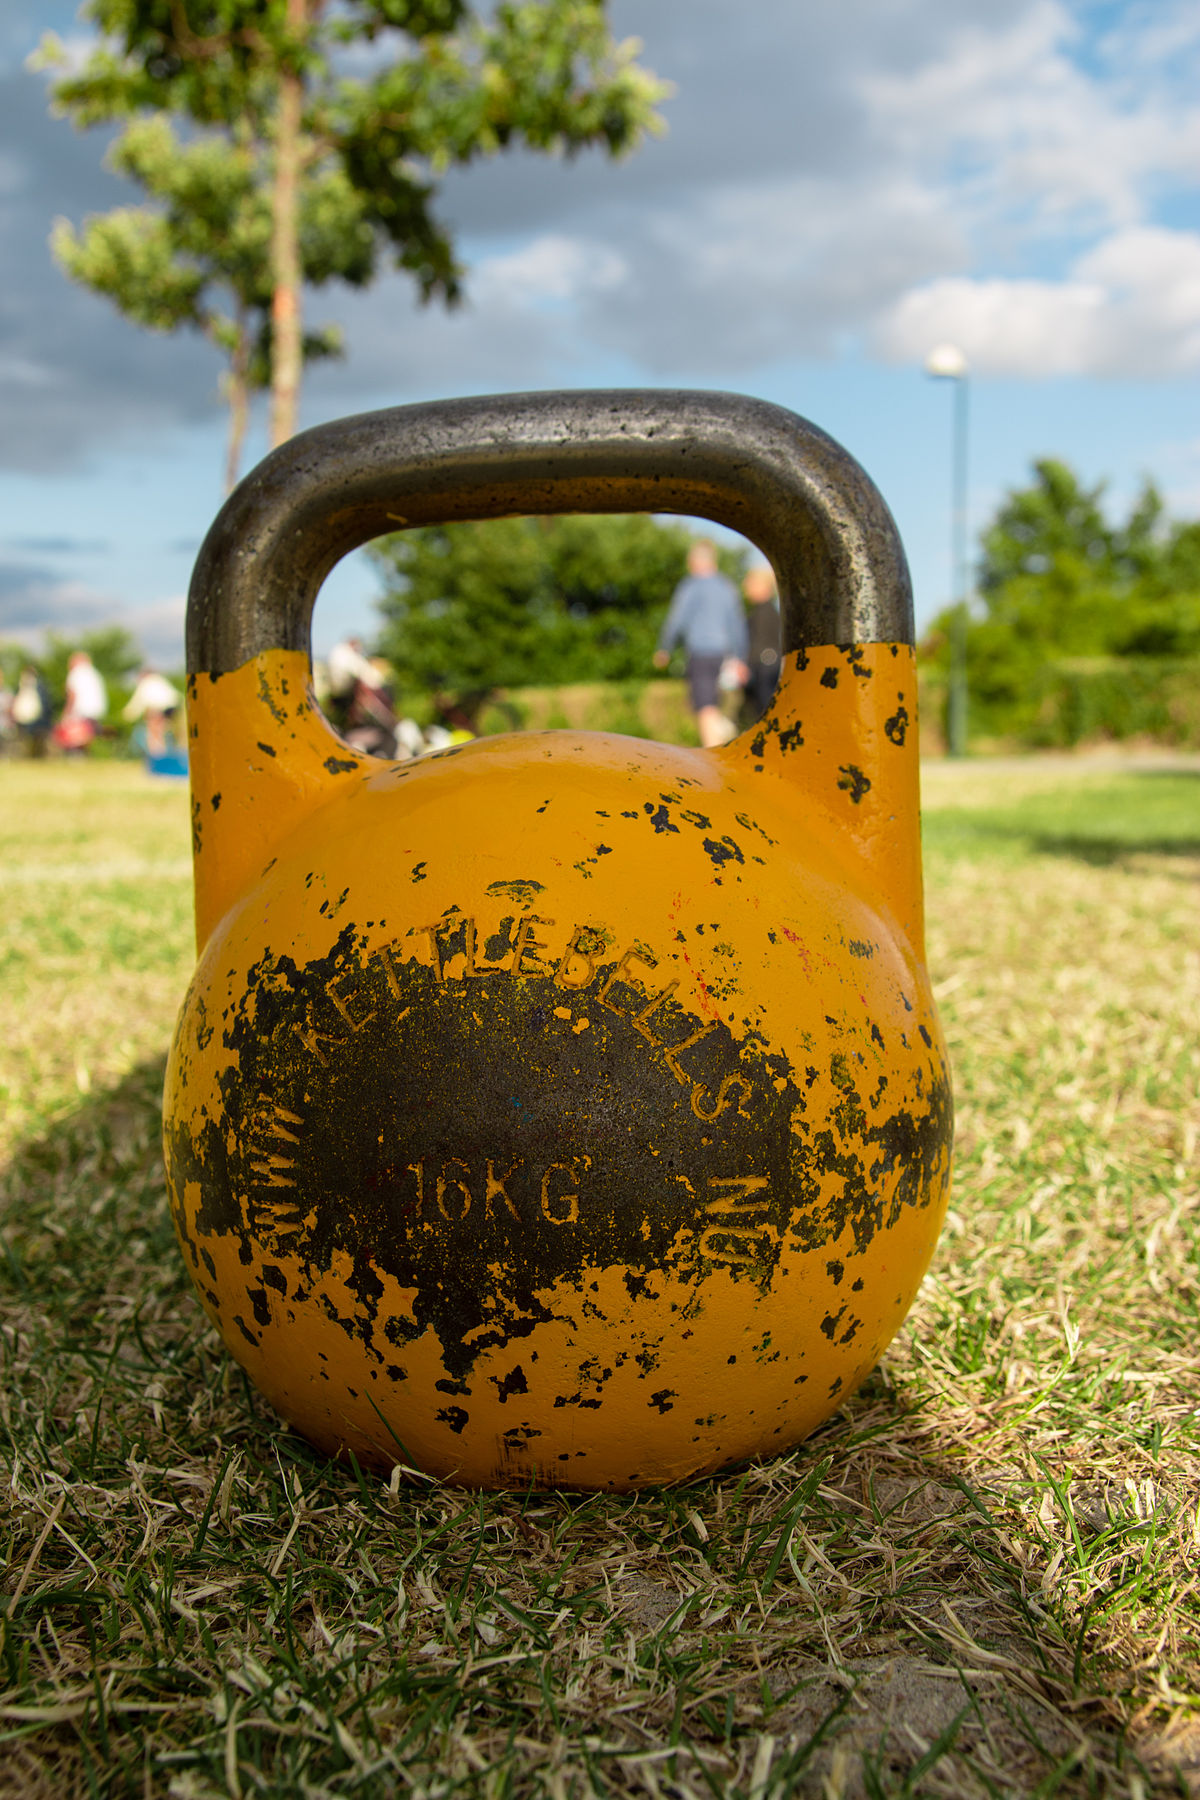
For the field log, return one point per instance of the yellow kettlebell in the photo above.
(562, 1108)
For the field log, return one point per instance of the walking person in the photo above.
(706, 616)
(765, 638)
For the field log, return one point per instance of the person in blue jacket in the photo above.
(707, 617)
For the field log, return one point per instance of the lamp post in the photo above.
(947, 363)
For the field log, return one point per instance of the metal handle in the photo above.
(743, 463)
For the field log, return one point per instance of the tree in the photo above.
(529, 602)
(201, 256)
(450, 82)
(1060, 581)
(1057, 573)
(1162, 616)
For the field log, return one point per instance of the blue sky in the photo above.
(839, 190)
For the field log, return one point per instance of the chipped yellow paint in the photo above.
(564, 1108)
(260, 751)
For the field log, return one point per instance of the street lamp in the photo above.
(947, 363)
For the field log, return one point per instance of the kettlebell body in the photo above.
(561, 1108)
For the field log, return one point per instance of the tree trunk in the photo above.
(238, 391)
(286, 330)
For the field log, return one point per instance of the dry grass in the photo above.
(979, 1579)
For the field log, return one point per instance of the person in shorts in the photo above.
(707, 618)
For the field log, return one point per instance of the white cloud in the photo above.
(31, 601)
(549, 270)
(33, 604)
(24, 372)
(786, 267)
(867, 174)
(1129, 307)
(1005, 119)
(1154, 35)
(158, 628)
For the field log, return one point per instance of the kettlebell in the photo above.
(561, 1109)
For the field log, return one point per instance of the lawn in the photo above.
(981, 1578)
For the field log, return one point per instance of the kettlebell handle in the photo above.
(746, 464)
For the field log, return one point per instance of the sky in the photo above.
(839, 189)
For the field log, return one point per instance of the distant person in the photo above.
(86, 704)
(8, 729)
(156, 700)
(31, 712)
(348, 668)
(706, 616)
(765, 638)
(362, 699)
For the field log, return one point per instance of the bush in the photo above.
(1057, 704)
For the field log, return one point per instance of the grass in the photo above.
(655, 709)
(980, 1579)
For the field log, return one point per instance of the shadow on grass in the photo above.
(1151, 813)
(857, 1600)
(93, 1281)
(1107, 852)
(78, 1198)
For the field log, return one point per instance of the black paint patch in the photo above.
(340, 765)
(829, 677)
(896, 728)
(267, 749)
(523, 892)
(513, 1383)
(722, 851)
(460, 1139)
(660, 819)
(852, 781)
(267, 698)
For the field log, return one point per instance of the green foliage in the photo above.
(1065, 591)
(1162, 613)
(450, 83)
(527, 602)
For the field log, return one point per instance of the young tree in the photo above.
(449, 82)
(201, 257)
